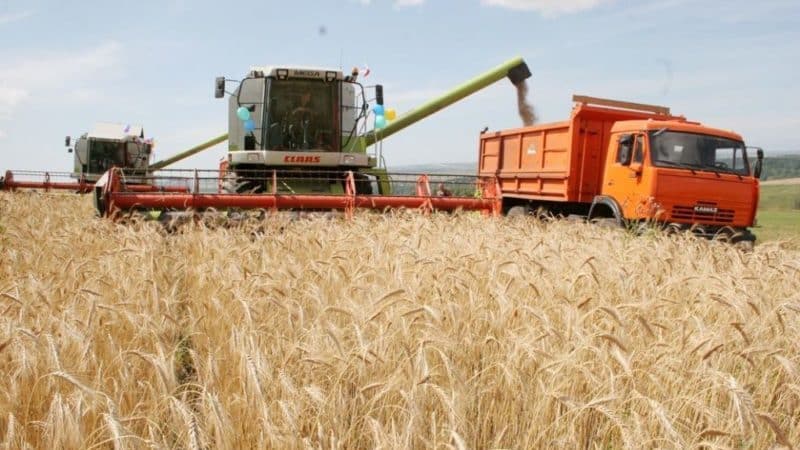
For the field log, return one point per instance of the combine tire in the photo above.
(363, 185)
(518, 211)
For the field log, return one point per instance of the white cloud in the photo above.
(33, 76)
(10, 98)
(15, 16)
(401, 3)
(397, 3)
(2, 134)
(548, 8)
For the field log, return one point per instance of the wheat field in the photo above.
(394, 331)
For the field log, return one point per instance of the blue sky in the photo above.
(64, 65)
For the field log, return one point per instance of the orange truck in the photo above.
(623, 162)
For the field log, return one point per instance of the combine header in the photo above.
(195, 191)
(299, 140)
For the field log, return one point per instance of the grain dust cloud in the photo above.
(526, 112)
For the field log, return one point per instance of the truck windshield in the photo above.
(302, 115)
(698, 152)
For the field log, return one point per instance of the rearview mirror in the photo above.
(219, 87)
(66, 141)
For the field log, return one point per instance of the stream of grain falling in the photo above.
(526, 112)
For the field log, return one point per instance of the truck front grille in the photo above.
(702, 213)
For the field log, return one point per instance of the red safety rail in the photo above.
(28, 179)
(118, 197)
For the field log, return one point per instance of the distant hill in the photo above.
(470, 168)
(778, 167)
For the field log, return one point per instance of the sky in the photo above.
(731, 64)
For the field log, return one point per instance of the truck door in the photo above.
(624, 173)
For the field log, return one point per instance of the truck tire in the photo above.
(606, 222)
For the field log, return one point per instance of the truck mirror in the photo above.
(67, 141)
(219, 87)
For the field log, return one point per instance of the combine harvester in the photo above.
(107, 145)
(621, 163)
(298, 140)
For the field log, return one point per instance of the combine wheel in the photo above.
(363, 185)
(518, 211)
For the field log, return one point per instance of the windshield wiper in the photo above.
(681, 165)
(692, 167)
(728, 170)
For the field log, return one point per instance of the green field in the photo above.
(779, 214)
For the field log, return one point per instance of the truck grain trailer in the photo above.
(624, 162)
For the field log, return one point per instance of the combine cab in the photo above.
(110, 145)
(299, 139)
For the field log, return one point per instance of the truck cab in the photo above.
(681, 172)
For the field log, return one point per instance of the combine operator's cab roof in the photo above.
(284, 72)
(115, 131)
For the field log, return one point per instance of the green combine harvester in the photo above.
(310, 139)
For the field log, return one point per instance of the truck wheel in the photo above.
(606, 222)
